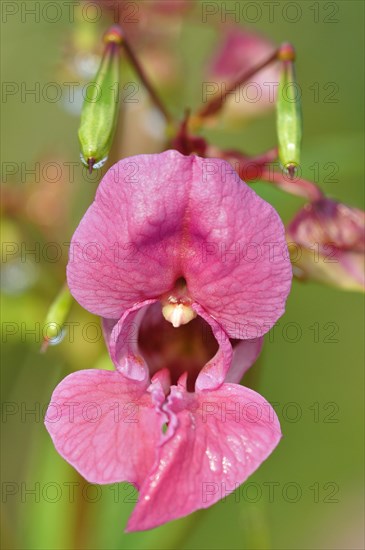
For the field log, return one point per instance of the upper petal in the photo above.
(106, 426)
(216, 441)
(126, 248)
(179, 216)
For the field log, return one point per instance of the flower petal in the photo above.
(245, 354)
(106, 426)
(122, 342)
(126, 248)
(219, 439)
(214, 372)
(179, 217)
(244, 275)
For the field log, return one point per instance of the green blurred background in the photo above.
(309, 493)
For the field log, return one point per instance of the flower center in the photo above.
(186, 348)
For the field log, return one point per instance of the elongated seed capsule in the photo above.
(100, 109)
(57, 314)
(288, 112)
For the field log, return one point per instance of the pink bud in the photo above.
(326, 241)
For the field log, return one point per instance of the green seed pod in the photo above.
(56, 316)
(288, 112)
(100, 109)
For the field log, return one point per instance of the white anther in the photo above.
(178, 314)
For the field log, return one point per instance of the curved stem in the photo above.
(147, 84)
(216, 103)
(300, 187)
(265, 158)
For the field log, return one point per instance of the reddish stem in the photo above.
(142, 75)
(248, 168)
(299, 186)
(252, 169)
(215, 104)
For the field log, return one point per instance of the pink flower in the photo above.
(180, 258)
(330, 243)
